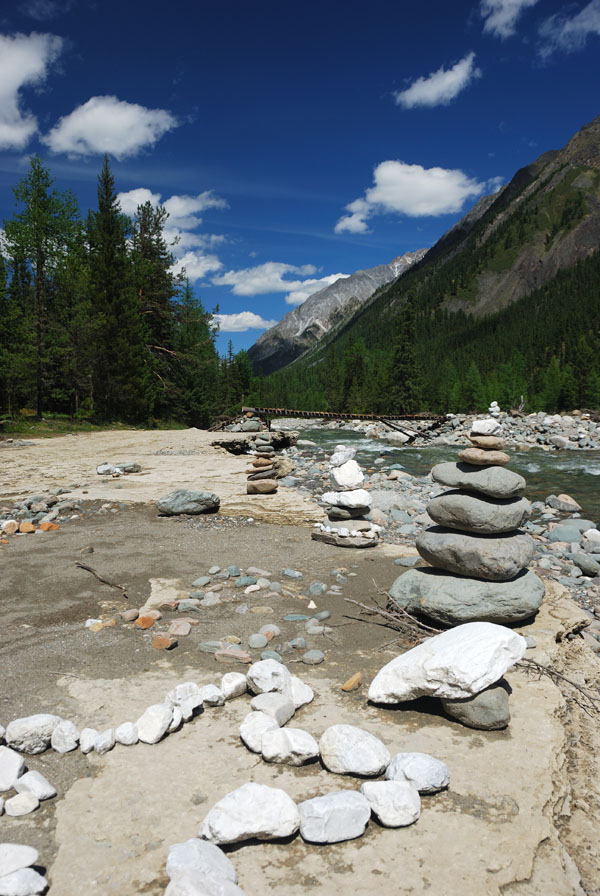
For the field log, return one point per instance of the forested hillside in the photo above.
(94, 325)
(505, 309)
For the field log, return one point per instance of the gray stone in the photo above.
(334, 818)
(201, 581)
(484, 516)
(585, 563)
(253, 810)
(348, 750)
(487, 711)
(313, 657)
(494, 558)
(395, 803)
(202, 857)
(565, 532)
(34, 782)
(451, 599)
(25, 882)
(11, 766)
(31, 734)
(426, 773)
(495, 482)
(185, 501)
(564, 503)
(14, 856)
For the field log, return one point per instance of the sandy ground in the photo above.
(520, 816)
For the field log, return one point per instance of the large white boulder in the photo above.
(31, 734)
(335, 817)
(486, 427)
(358, 497)
(460, 662)
(348, 750)
(269, 675)
(253, 810)
(347, 476)
(424, 772)
(291, 746)
(395, 803)
(254, 726)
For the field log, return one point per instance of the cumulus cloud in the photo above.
(242, 321)
(500, 16)
(186, 245)
(570, 33)
(264, 278)
(106, 124)
(410, 190)
(441, 87)
(24, 61)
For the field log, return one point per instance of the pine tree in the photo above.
(404, 384)
(121, 374)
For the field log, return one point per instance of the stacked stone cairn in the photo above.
(347, 504)
(477, 553)
(262, 475)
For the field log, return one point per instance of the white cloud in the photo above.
(130, 201)
(196, 265)
(500, 16)
(264, 278)
(310, 287)
(570, 34)
(242, 321)
(106, 124)
(441, 87)
(183, 210)
(24, 60)
(410, 190)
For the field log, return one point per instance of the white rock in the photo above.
(14, 856)
(11, 766)
(359, 497)
(301, 692)
(252, 810)
(486, 427)
(25, 882)
(348, 750)
(233, 684)
(126, 734)
(341, 455)
(395, 803)
(65, 737)
(460, 662)
(87, 739)
(212, 695)
(347, 476)
(292, 746)
(21, 804)
(252, 588)
(177, 720)
(105, 741)
(34, 782)
(426, 773)
(31, 734)
(268, 675)
(188, 696)
(193, 883)
(274, 704)
(254, 726)
(199, 856)
(333, 818)
(592, 535)
(5, 524)
(154, 722)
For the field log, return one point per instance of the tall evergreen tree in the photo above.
(404, 383)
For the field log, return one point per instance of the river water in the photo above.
(575, 473)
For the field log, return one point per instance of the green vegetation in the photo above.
(94, 327)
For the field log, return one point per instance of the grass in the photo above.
(32, 427)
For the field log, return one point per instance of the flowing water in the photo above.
(575, 473)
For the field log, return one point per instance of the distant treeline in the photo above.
(94, 325)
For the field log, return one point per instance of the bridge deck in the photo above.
(334, 415)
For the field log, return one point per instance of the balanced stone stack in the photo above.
(262, 475)
(477, 552)
(349, 501)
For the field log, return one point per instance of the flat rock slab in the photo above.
(348, 750)
(456, 664)
(495, 482)
(451, 599)
(189, 502)
(261, 487)
(334, 818)
(480, 515)
(493, 558)
(350, 541)
(482, 458)
(251, 811)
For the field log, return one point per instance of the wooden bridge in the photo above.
(269, 414)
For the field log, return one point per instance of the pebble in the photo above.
(126, 734)
(257, 641)
(105, 741)
(232, 655)
(65, 737)
(313, 657)
(271, 655)
(87, 739)
(352, 683)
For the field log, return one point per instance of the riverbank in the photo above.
(519, 815)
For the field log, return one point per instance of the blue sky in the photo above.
(291, 142)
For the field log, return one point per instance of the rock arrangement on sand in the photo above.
(262, 475)
(347, 505)
(123, 468)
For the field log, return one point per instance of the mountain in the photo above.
(506, 305)
(303, 327)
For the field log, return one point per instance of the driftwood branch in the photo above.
(584, 698)
(102, 579)
(412, 630)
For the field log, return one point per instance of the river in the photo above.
(575, 473)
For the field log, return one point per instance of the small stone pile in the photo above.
(348, 501)
(262, 475)
(494, 409)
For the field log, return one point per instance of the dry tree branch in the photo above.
(590, 701)
(101, 578)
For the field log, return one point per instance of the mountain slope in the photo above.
(303, 327)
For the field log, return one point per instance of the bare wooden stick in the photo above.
(530, 666)
(102, 579)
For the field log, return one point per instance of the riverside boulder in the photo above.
(493, 558)
(495, 482)
(472, 513)
(183, 500)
